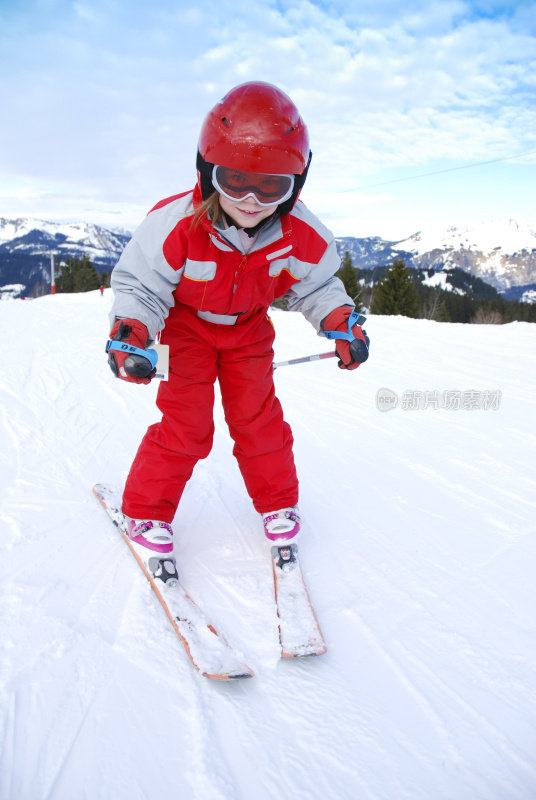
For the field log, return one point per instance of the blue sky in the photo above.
(102, 102)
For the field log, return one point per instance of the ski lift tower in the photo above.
(52, 278)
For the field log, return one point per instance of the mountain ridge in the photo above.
(502, 253)
(26, 244)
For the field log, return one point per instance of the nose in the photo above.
(249, 201)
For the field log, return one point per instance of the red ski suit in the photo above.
(210, 300)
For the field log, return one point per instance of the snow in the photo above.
(79, 236)
(529, 296)
(15, 228)
(11, 291)
(508, 235)
(418, 549)
(440, 280)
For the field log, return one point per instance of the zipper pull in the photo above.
(240, 268)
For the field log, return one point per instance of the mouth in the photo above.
(250, 213)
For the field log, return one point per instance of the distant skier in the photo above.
(101, 290)
(203, 268)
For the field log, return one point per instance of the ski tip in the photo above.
(240, 676)
(229, 676)
(101, 488)
(100, 491)
(304, 653)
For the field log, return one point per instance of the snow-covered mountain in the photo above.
(27, 234)
(26, 244)
(508, 235)
(500, 252)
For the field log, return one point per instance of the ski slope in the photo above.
(418, 546)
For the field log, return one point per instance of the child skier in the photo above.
(203, 268)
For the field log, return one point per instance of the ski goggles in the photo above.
(267, 190)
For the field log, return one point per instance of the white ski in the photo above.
(299, 630)
(208, 651)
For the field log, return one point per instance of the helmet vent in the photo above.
(226, 122)
(289, 130)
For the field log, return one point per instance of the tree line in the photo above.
(79, 274)
(401, 291)
(389, 290)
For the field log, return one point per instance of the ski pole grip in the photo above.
(135, 356)
(353, 319)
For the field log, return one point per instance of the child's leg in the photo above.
(263, 440)
(171, 448)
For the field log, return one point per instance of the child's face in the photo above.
(246, 213)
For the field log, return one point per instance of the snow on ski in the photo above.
(299, 631)
(208, 651)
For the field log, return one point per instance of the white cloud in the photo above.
(107, 99)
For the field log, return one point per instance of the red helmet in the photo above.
(256, 128)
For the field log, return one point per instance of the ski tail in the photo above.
(299, 630)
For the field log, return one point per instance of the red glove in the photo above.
(351, 351)
(137, 369)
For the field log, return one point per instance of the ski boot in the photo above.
(154, 543)
(283, 526)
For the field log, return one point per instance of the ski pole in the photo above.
(353, 319)
(316, 357)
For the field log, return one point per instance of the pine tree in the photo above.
(86, 277)
(397, 293)
(79, 275)
(66, 279)
(348, 275)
